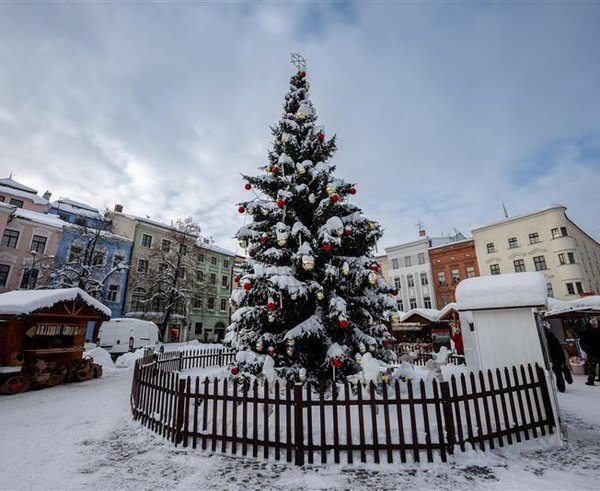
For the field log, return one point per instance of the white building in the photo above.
(545, 241)
(408, 268)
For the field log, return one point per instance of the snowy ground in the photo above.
(81, 436)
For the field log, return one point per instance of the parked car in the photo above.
(118, 336)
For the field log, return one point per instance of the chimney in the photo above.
(118, 208)
(47, 195)
(422, 232)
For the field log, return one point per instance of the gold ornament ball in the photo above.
(307, 85)
(395, 317)
(290, 350)
(372, 347)
(330, 189)
(281, 241)
(385, 377)
(345, 270)
(300, 115)
(242, 243)
(265, 211)
(308, 263)
(271, 317)
(285, 139)
(293, 296)
(301, 170)
(259, 346)
(320, 295)
(312, 198)
(291, 342)
(372, 225)
(372, 277)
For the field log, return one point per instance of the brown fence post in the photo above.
(298, 425)
(180, 361)
(545, 396)
(448, 419)
(181, 407)
(135, 384)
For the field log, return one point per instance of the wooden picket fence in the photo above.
(406, 422)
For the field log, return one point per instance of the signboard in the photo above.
(52, 330)
(407, 326)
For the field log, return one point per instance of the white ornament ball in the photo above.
(312, 198)
(308, 262)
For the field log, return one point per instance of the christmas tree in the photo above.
(312, 295)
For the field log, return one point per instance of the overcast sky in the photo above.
(442, 110)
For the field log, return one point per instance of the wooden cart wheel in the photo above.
(15, 385)
(55, 379)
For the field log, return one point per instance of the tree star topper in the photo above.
(298, 60)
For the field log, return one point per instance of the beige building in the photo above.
(546, 241)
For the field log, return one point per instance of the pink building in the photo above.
(29, 236)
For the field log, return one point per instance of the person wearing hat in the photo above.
(590, 343)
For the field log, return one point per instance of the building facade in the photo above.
(546, 241)
(409, 270)
(451, 263)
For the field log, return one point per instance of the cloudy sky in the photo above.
(442, 110)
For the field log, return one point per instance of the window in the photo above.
(424, 279)
(2, 198)
(400, 304)
(113, 291)
(38, 244)
(117, 259)
(421, 257)
(395, 264)
(442, 278)
(571, 257)
(413, 303)
(397, 283)
(225, 263)
(455, 276)
(142, 266)
(213, 279)
(165, 245)
(540, 263)
(519, 265)
(197, 303)
(16, 202)
(10, 238)
(74, 253)
(410, 280)
(200, 276)
(559, 232)
(201, 257)
(4, 270)
(470, 271)
(570, 289)
(579, 287)
(213, 260)
(138, 298)
(495, 269)
(513, 243)
(146, 240)
(223, 304)
(407, 262)
(427, 302)
(211, 303)
(198, 328)
(183, 249)
(549, 290)
(534, 238)
(225, 280)
(561, 258)
(98, 259)
(443, 300)
(29, 279)
(491, 247)
(181, 273)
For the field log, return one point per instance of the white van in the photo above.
(118, 336)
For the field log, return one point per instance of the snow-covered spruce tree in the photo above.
(311, 294)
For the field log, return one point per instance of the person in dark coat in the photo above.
(559, 361)
(590, 343)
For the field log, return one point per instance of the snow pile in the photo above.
(127, 360)
(505, 290)
(101, 357)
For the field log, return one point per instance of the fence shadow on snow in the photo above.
(406, 422)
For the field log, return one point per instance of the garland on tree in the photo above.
(312, 296)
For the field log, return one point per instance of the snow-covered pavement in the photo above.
(81, 436)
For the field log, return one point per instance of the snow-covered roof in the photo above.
(103, 233)
(25, 302)
(11, 183)
(520, 216)
(447, 309)
(502, 291)
(75, 207)
(589, 304)
(38, 200)
(216, 248)
(432, 315)
(42, 218)
(450, 244)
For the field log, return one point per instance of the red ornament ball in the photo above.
(348, 231)
(326, 247)
(275, 169)
(280, 203)
(352, 191)
(235, 370)
(264, 238)
(236, 279)
(320, 136)
(337, 363)
(242, 209)
(375, 268)
(248, 186)
(271, 305)
(247, 285)
(302, 74)
(251, 253)
(271, 351)
(343, 323)
(395, 293)
(334, 197)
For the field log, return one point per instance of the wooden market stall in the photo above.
(42, 334)
(420, 330)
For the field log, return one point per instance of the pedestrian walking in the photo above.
(559, 361)
(590, 343)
